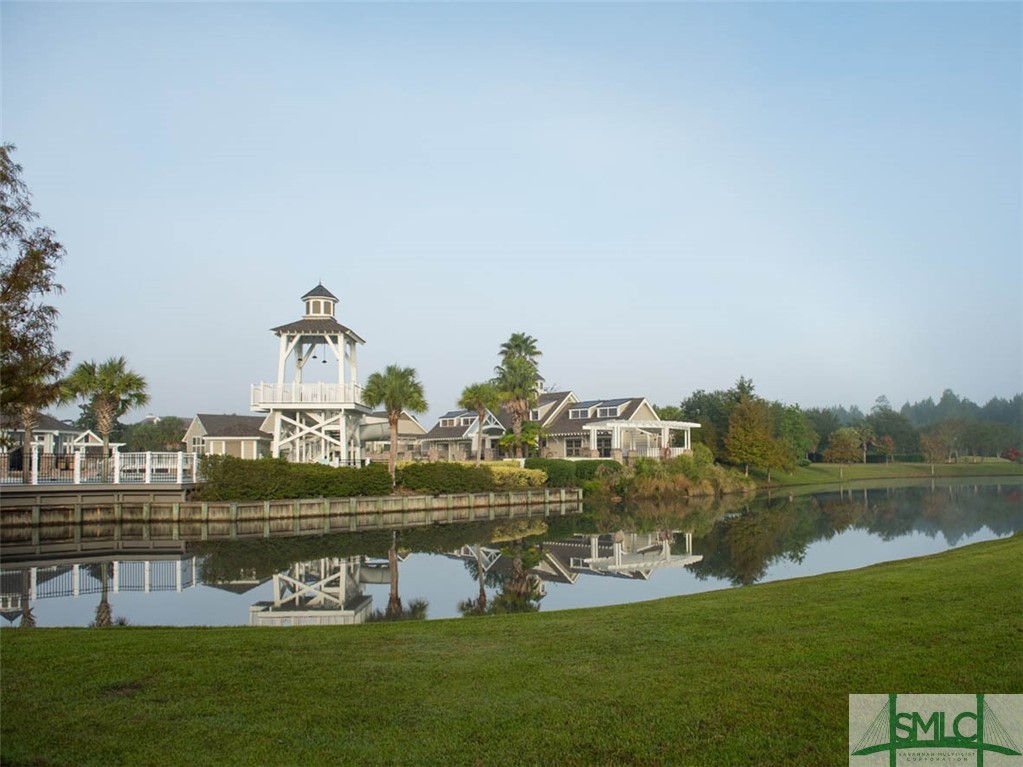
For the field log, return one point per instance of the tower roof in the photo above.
(320, 292)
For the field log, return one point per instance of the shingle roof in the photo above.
(319, 292)
(45, 423)
(317, 328)
(232, 425)
(574, 426)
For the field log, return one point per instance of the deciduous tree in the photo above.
(749, 441)
(30, 363)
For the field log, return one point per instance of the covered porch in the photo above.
(648, 438)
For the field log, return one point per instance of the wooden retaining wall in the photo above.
(305, 516)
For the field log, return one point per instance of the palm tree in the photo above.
(480, 397)
(111, 389)
(397, 389)
(516, 381)
(520, 346)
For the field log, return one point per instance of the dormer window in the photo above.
(468, 420)
(607, 412)
(578, 413)
(446, 422)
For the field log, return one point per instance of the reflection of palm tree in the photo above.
(28, 620)
(104, 612)
(476, 606)
(395, 611)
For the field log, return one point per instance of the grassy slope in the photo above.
(828, 473)
(758, 675)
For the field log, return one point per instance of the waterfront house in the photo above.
(241, 436)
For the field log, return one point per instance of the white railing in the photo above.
(673, 452)
(264, 394)
(82, 468)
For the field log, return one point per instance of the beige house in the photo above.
(375, 436)
(241, 436)
(618, 428)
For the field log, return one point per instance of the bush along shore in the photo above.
(758, 675)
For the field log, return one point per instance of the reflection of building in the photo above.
(622, 555)
(314, 417)
(324, 592)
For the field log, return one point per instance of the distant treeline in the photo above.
(744, 429)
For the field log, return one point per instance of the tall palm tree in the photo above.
(516, 380)
(480, 397)
(397, 389)
(521, 346)
(112, 390)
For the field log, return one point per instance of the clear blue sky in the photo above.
(823, 197)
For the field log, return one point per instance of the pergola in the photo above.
(624, 435)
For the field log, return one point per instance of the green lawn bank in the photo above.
(757, 675)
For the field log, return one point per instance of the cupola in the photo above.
(319, 303)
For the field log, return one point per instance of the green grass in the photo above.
(758, 675)
(832, 473)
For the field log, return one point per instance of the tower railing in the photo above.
(266, 394)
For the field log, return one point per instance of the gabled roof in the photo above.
(44, 423)
(319, 327)
(320, 292)
(232, 425)
(564, 425)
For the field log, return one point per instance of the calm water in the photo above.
(604, 556)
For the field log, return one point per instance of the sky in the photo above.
(823, 197)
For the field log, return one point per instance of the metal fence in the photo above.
(80, 468)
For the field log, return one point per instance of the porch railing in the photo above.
(265, 394)
(80, 468)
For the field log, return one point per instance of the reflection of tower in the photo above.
(322, 592)
(635, 555)
(316, 416)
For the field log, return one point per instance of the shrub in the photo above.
(445, 478)
(592, 469)
(239, 479)
(512, 477)
(560, 473)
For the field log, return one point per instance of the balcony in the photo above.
(320, 395)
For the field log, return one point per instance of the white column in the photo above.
(117, 576)
(178, 576)
(344, 440)
(594, 544)
(76, 476)
(117, 467)
(353, 372)
(147, 576)
(282, 359)
(149, 467)
(34, 460)
(76, 580)
(275, 447)
(180, 476)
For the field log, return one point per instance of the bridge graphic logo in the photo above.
(944, 733)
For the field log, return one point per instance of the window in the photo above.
(534, 415)
(197, 445)
(447, 422)
(583, 412)
(603, 445)
(573, 447)
(607, 412)
(468, 420)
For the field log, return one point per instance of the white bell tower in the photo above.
(315, 408)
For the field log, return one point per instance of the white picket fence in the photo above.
(81, 468)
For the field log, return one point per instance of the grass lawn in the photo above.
(758, 675)
(833, 473)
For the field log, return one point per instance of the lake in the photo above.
(606, 555)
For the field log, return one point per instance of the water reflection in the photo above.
(500, 566)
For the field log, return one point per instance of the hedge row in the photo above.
(238, 479)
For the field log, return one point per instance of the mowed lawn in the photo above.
(752, 676)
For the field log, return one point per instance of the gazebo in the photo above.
(650, 438)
